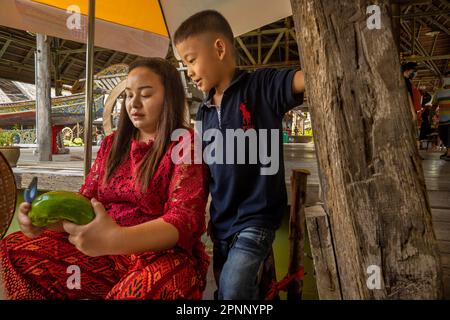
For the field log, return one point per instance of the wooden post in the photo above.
(395, 14)
(299, 180)
(56, 62)
(373, 182)
(268, 276)
(89, 88)
(43, 97)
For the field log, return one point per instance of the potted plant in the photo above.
(11, 152)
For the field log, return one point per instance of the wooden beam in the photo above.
(426, 58)
(24, 61)
(18, 40)
(286, 44)
(421, 50)
(57, 69)
(436, 24)
(15, 64)
(411, 2)
(81, 50)
(244, 59)
(265, 32)
(422, 14)
(396, 23)
(63, 60)
(274, 46)
(111, 59)
(247, 53)
(259, 46)
(5, 47)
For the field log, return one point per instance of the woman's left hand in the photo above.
(96, 238)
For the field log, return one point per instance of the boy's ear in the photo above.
(220, 47)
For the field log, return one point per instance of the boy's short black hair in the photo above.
(204, 22)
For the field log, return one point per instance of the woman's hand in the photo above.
(97, 238)
(28, 228)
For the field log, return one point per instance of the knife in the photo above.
(31, 192)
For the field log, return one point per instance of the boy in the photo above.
(247, 206)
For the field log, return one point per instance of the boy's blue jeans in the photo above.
(237, 262)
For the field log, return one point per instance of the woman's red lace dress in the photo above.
(39, 268)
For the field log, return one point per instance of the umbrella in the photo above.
(140, 27)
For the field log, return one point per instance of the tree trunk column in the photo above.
(43, 97)
(372, 177)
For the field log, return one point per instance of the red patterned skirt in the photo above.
(42, 268)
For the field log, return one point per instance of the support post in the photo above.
(43, 97)
(373, 181)
(299, 180)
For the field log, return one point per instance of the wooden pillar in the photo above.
(89, 88)
(56, 62)
(372, 177)
(396, 29)
(43, 97)
(299, 180)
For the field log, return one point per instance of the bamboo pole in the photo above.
(89, 90)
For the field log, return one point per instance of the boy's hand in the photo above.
(298, 84)
(28, 228)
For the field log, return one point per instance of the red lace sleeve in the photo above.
(186, 204)
(90, 187)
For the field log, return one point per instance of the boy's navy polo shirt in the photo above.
(241, 196)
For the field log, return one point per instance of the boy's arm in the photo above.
(280, 90)
(298, 83)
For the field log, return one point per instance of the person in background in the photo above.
(409, 70)
(442, 99)
(425, 126)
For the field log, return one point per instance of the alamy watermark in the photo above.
(374, 280)
(236, 146)
(374, 21)
(74, 280)
(73, 22)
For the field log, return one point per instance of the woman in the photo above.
(145, 241)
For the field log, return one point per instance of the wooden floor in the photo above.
(437, 178)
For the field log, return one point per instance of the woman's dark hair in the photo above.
(173, 116)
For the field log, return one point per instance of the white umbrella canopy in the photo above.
(136, 27)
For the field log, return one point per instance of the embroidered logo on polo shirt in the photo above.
(246, 117)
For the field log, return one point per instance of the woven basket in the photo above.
(8, 195)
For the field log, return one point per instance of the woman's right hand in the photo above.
(28, 228)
